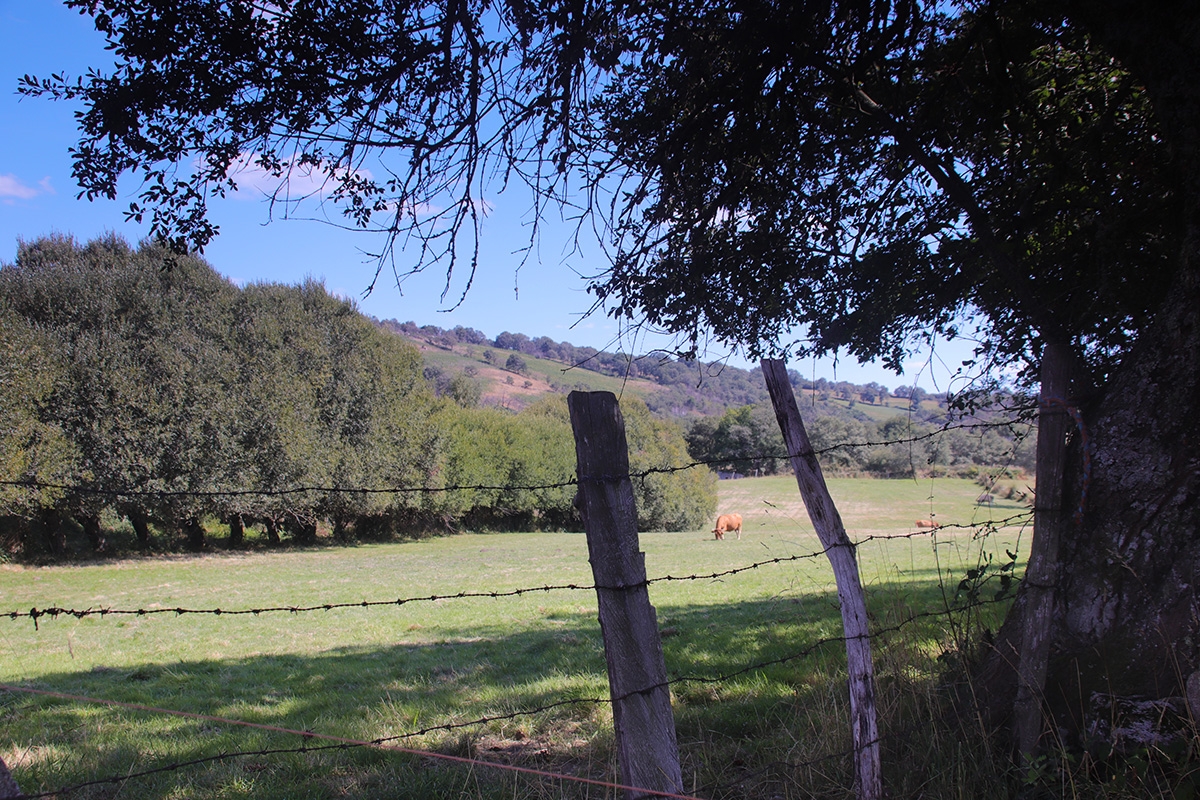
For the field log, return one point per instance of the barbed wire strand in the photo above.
(36, 614)
(345, 744)
(638, 475)
(384, 742)
(340, 740)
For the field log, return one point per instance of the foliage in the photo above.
(722, 134)
(516, 364)
(848, 441)
(181, 396)
(29, 447)
(739, 440)
(743, 130)
(673, 499)
(168, 395)
(464, 389)
(808, 177)
(498, 455)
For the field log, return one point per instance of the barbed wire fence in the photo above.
(85, 488)
(966, 598)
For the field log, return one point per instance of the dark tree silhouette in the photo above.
(867, 173)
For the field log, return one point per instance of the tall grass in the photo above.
(757, 666)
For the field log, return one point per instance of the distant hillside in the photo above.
(725, 411)
(514, 370)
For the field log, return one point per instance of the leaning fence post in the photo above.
(824, 515)
(637, 674)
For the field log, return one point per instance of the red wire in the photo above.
(343, 740)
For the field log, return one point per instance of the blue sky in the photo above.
(545, 297)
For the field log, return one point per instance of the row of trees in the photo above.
(742, 439)
(143, 384)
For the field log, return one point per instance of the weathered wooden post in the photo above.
(824, 515)
(637, 673)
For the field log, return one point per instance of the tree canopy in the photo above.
(875, 183)
(860, 176)
(144, 385)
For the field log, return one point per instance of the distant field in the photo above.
(388, 671)
(888, 408)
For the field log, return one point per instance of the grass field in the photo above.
(758, 703)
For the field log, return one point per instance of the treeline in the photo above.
(143, 391)
(742, 439)
(689, 387)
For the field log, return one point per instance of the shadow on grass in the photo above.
(754, 692)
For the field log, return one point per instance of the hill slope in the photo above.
(513, 370)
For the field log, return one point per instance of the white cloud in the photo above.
(11, 186)
(298, 182)
(307, 182)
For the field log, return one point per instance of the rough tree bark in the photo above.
(8, 784)
(194, 534)
(90, 522)
(141, 527)
(272, 526)
(1126, 618)
(1125, 622)
(237, 530)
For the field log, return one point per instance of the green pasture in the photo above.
(758, 699)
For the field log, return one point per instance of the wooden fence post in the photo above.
(637, 674)
(824, 515)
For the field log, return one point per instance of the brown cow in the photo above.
(727, 523)
(927, 523)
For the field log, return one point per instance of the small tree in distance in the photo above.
(515, 364)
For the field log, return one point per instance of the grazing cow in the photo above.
(727, 523)
(927, 523)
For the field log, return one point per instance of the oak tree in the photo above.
(855, 175)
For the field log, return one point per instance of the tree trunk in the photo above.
(1050, 519)
(1126, 617)
(1125, 620)
(193, 531)
(141, 526)
(237, 530)
(304, 530)
(51, 524)
(272, 527)
(341, 530)
(91, 528)
(8, 784)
